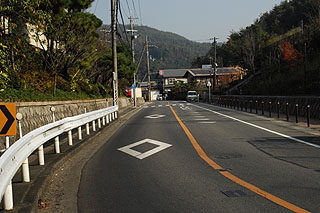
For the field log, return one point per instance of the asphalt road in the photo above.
(199, 158)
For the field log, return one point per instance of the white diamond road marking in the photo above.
(155, 116)
(139, 155)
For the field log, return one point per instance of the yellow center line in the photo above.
(230, 176)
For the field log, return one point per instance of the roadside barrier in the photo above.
(262, 106)
(16, 156)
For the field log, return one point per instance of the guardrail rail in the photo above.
(17, 154)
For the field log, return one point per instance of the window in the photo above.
(171, 80)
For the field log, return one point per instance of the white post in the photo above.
(116, 114)
(79, 133)
(103, 120)
(107, 117)
(94, 126)
(99, 123)
(25, 171)
(25, 164)
(7, 142)
(41, 155)
(113, 116)
(88, 128)
(57, 145)
(8, 198)
(70, 137)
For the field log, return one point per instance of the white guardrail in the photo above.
(15, 156)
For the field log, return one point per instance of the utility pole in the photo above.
(215, 63)
(133, 36)
(114, 52)
(148, 66)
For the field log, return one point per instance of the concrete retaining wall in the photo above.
(37, 114)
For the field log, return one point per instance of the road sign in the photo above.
(7, 119)
(160, 72)
(133, 86)
(209, 84)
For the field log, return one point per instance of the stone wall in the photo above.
(37, 114)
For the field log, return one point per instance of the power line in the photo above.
(124, 28)
(140, 12)
(96, 6)
(124, 12)
(129, 10)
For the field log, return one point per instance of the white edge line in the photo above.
(262, 128)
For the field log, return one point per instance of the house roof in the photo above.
(207, 72)
(174, 73)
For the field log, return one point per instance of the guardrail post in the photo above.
(107, 118)
(297, 112)
(308, 115)
(250, 106)
(7, 142)
(103, 121)
(116, 114)
(112, 116)
(25, 165)
(256, 107)
(56, 140)
(262, 107)
(94, 125)
(8, 198)
(99, 123)
(79, 133)
(41, 155)
(278, 109)
(70, 137)
(57, 145)
(241, 105)
(88, 128)
(287, 111)
(269, 108)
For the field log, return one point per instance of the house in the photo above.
(167, 78)
(224, 75)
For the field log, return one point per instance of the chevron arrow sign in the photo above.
(7, 119)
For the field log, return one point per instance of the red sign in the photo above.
(160, 72)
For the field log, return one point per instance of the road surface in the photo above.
(192, 157)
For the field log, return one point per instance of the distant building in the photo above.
(224, 75)
(168, 78)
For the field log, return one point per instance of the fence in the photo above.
(16, 156)
(307, 107)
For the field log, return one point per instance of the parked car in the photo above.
(159, 97)
(192, 96)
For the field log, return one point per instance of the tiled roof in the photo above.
(174, 73)
(206, 72)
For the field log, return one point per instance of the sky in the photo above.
(197, 20)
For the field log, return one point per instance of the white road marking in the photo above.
(153, 106)
(139, 155)
(262, 128)
(155, 116)
(201, 119)
(159, 105)
(173, 105)
(207, 122)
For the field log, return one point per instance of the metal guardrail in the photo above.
(12, 159)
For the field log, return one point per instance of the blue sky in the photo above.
(196, 20)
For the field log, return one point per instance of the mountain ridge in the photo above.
(168, 50)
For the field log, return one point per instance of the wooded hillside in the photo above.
(281, 49)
